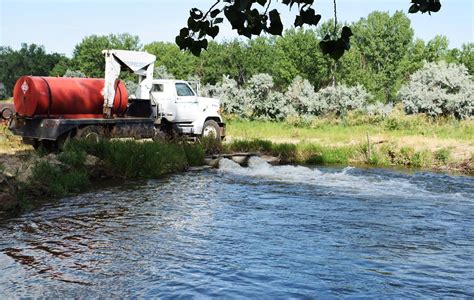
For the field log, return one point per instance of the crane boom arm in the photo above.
(139, 63)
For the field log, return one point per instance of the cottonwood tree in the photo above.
(30, 59)
(255, 17)
(87, 55)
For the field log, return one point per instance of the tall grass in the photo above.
(353, 126)
(387, 154)
(124, 159)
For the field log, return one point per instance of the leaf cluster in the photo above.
(254, 17)
(248, 17)
(424, 6)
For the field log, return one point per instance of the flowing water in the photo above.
(259, 232)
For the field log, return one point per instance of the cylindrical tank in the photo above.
(69, 98)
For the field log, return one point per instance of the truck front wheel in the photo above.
(211, 128)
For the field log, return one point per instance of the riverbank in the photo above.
(413, 142)
(409, 141)
(27, 176)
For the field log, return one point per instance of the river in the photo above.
(257, 232)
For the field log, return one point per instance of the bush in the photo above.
(131, 87)
(442, 155)
(74, 74)
(233, 99)
(302, 97)
(439, 89)
(264, 102)
(161, 72)
(379, 109)
(341, 99)
(56, 181)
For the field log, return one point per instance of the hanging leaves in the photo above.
(254, 17)
(424, 6)
(336, 47)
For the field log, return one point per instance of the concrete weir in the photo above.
(240, 158)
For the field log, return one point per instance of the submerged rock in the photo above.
(240, 159)
(274, 161)
(213, 162)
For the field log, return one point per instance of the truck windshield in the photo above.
(183, 90)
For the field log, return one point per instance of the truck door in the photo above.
(186, 103)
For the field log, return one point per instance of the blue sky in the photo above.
(60, 24)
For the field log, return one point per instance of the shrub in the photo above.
(264, 102)
(161, 72)
(439, 89)
(302, 97)
(194, 154)
(233, 99)
(442, 155)
(250, 146)
(56, 181)
(74, 74)
(341, 99)
(379, 109)
(131, 87)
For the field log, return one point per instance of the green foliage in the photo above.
(73, 157)
(88, 57)
(133, 159)
(195, 153)
(341, 99)
(178, 63)
(28, 60)
(383, 42)
(74, 74)
(255, 17)
(439, 89)
(210, 145)
(56, 181)
(254, 145)
(464, 56)
(161, 72)
(442, 155)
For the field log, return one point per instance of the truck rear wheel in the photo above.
(92, 133)
(211, 128)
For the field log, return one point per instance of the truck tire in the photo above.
(211, 128)
(92, 133)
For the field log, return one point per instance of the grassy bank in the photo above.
(82, 162)
(412, 141)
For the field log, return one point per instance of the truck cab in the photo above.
(175, 102)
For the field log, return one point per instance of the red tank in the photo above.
(69, 98)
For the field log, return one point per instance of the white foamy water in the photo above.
(342, 181)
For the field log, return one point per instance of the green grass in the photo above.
(352, 127)
(301, 153)
(121, 159)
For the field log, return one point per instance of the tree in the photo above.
(464, 56)
(436, 48)
(28, 60)
(254, 17)
(383, 42)
(88, 57)
(180, 64)
(228, 58)
(297, 57)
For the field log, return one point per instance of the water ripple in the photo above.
(257, 232)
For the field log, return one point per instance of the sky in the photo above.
(60, 24)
